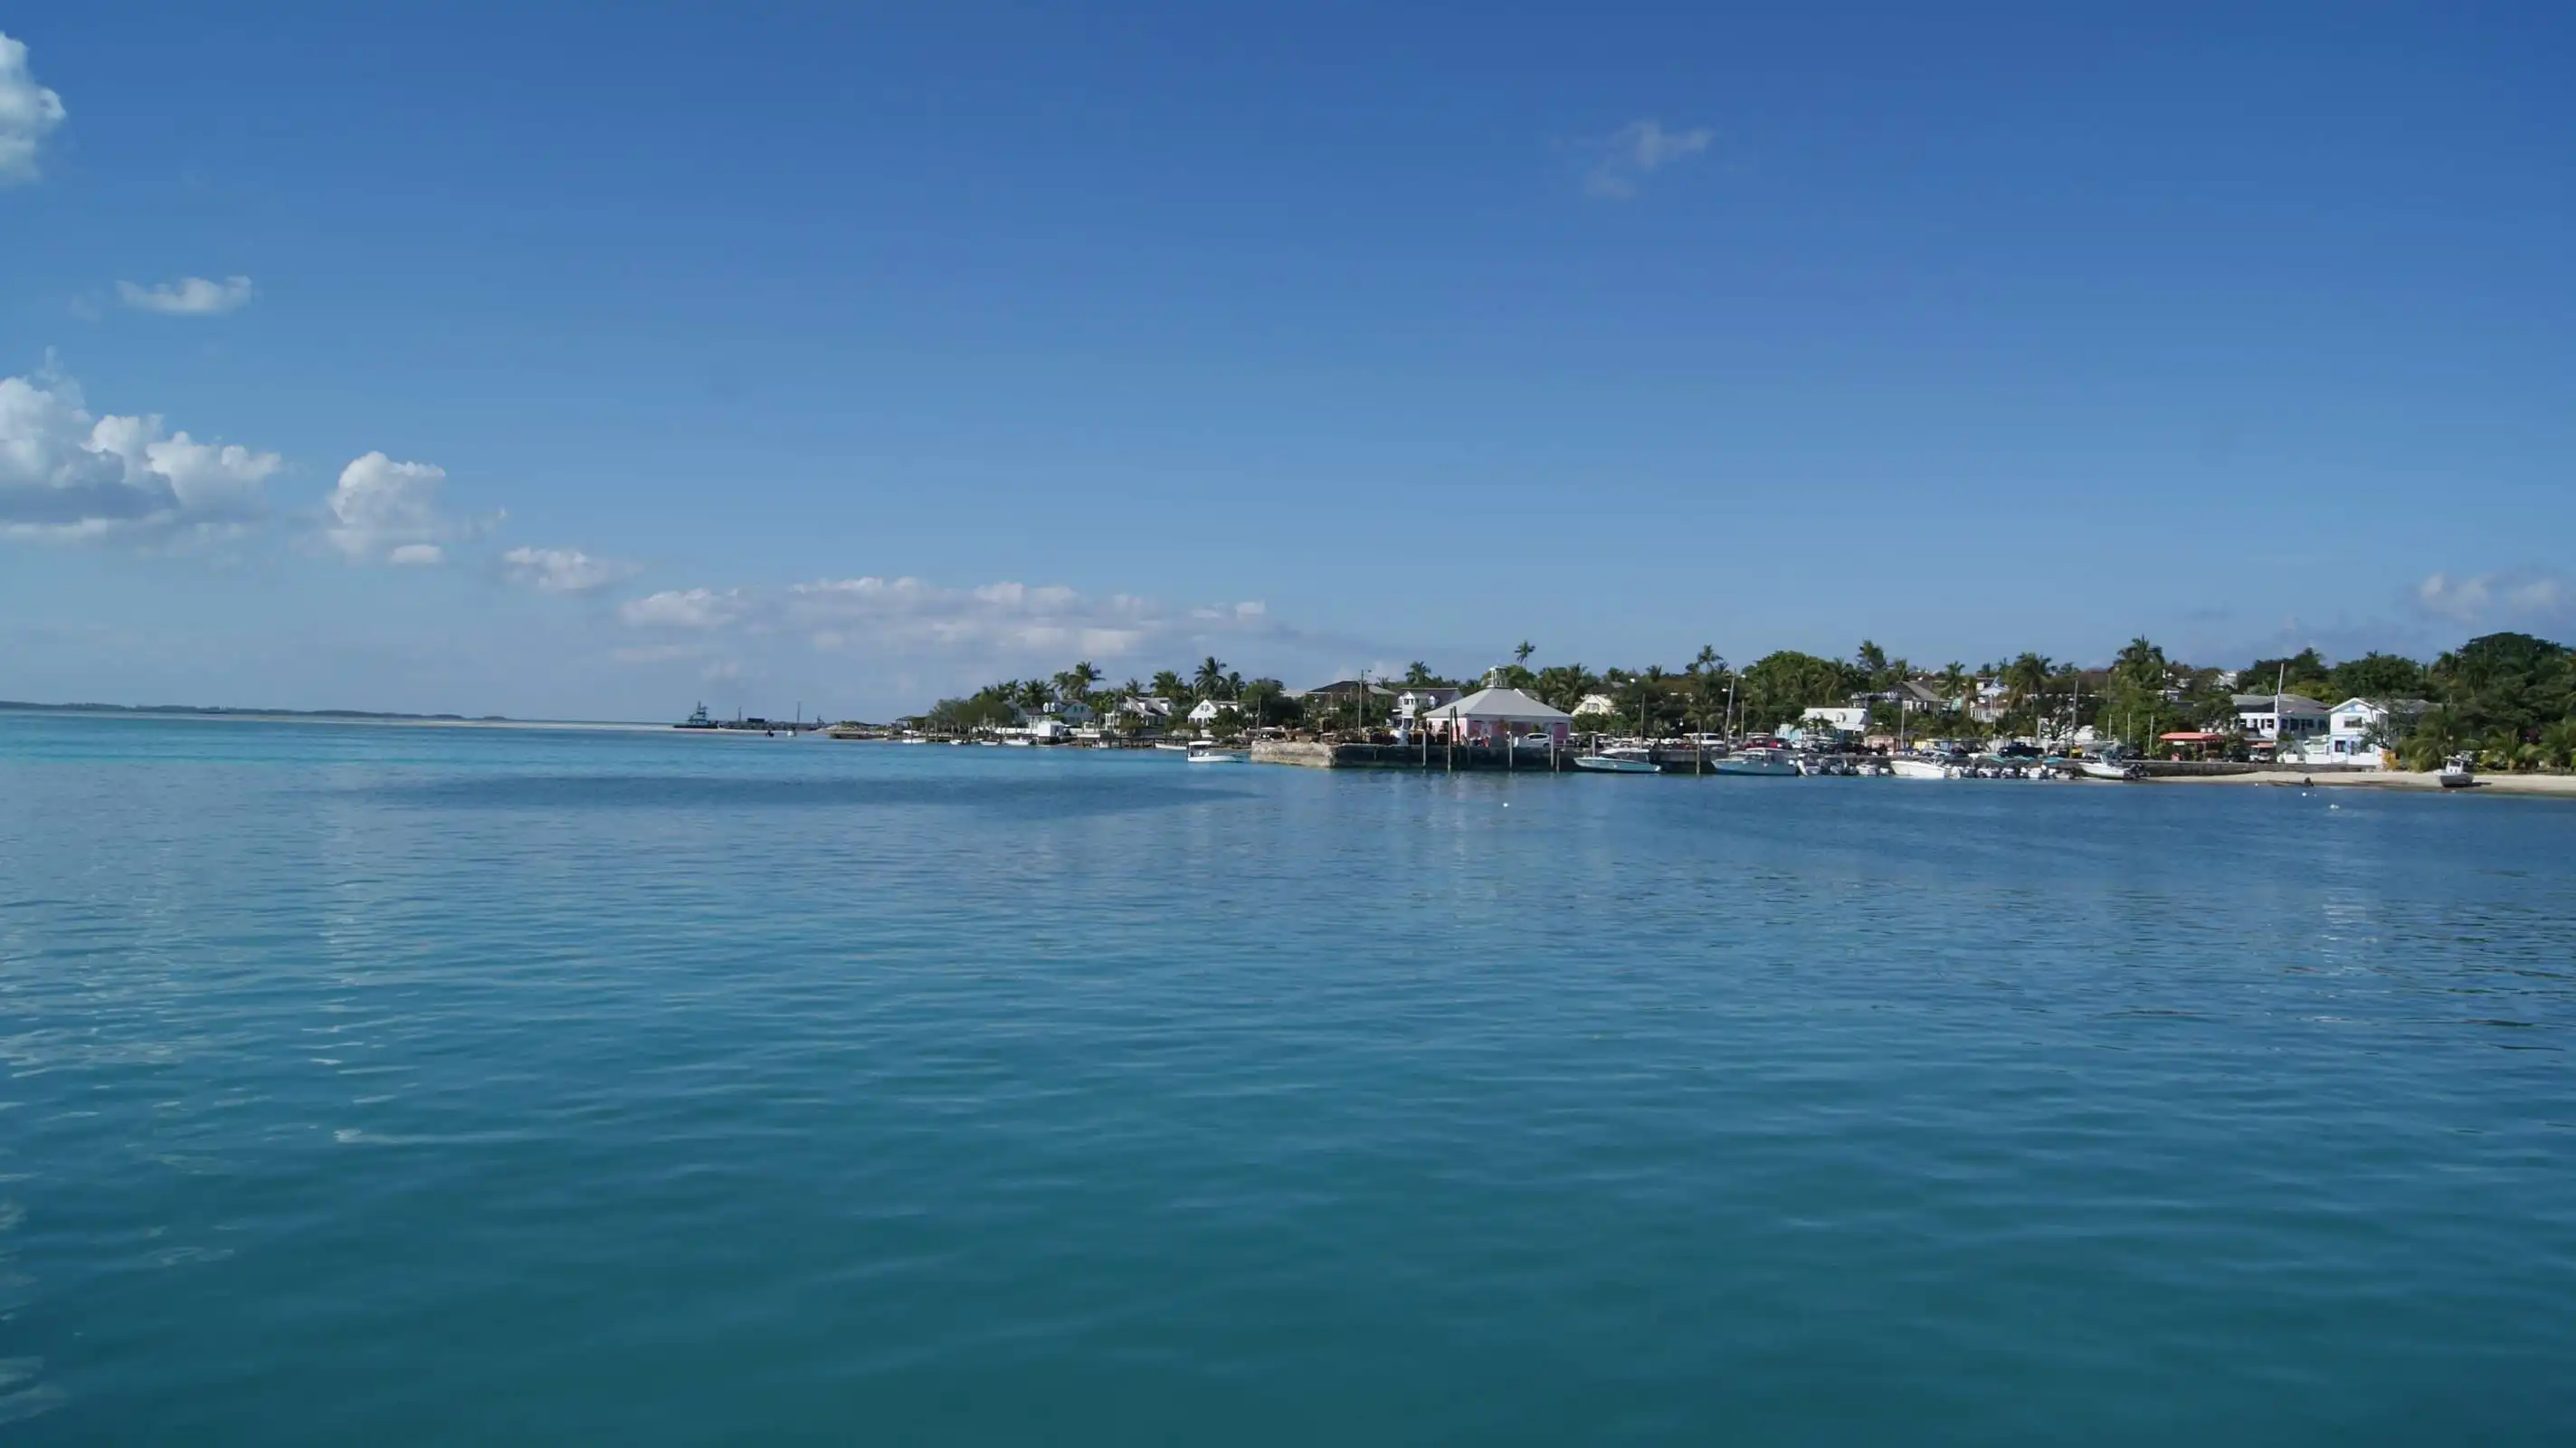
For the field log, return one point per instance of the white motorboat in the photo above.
(2104, 768)
(1628, 760)
(2456, 773)
(1209, 752)
(1916, 766)
(1777, 763)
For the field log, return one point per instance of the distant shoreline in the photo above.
(213, 714)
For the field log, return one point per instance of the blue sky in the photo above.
(588, 361)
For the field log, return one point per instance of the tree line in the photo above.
(2508, 698)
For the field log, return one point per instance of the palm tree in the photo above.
(1521, 654)
(1563, 685)
(1954, 686)
(1168, 685)
(1707, 673)
(2025, 680)
(1873, 664)
(2558, 743)
(1211, 677)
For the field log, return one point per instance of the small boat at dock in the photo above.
(1767, 761)
(1625, 760)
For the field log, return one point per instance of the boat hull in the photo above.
(1764, 768)
(1599, 765)
(1918, 769)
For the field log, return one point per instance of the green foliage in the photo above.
(2133, 704)
(2376, 676)
(2304, 672)
(1563, 686)
(2507, 682)
(1778, 687)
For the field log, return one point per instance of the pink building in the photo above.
(1490, 716)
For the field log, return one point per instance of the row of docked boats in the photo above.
(1781, 761)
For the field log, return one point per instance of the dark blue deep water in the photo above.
(382, 1085)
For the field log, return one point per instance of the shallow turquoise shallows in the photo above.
(389, 1085)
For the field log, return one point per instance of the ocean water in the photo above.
(388, 1085)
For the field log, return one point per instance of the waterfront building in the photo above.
(2359, 731)
(2280, 718)
(1415, 700)
(1493, 715)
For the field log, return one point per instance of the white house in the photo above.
(1591, 704)
(1419, 699)
(1205, 711)
(2280, 718)
(1493, 715)
(2357, 730)
(1846, 721)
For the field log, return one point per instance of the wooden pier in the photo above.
(1424, 755)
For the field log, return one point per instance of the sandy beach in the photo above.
(2559, 785)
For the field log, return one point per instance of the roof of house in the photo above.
(1508, 705)
(2300, 702)
(2397, 706)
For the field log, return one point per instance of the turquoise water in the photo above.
(398, 1085)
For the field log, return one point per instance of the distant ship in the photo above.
(697, 720)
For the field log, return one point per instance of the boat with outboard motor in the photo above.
(1769, 760)
(1623, 759)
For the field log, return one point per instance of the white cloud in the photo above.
(1638, 150)
(388, 511)
(907, 617)
(561, 570)
(690, 608)
(188, 296)
(658, 653)
(28, 114)
(65, 474)
(2526, 596)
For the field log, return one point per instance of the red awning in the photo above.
(2191, 737)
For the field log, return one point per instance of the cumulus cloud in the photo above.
(561, 570)
(188, 296)
(907, 617)
(1638, 150)
(65, 474)
(2524, 596)
(28, 114)
(382, 510)
(684, 608)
